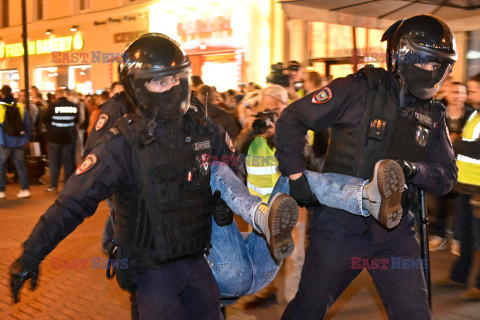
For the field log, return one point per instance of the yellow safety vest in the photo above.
(469, 168)
(262, 168)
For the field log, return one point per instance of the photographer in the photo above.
(256, 142)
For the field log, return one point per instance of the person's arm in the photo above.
(470, 149)
(80, 197)
(343, 102)
(438, 173)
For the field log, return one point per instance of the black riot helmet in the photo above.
(155, 58)
(417, 42)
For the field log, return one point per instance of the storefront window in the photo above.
(473, 53)
(10, 78)
(49, 78)
(219, 70)
(79, 79)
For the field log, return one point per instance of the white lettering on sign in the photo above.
(65, 109)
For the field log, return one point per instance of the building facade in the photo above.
(78, 43)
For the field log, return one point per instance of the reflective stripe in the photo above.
(262, 170)
(63, 117)
(262, 191)
(463, 158)
(59, 124)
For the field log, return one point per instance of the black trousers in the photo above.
(181, 290)
(336, 256)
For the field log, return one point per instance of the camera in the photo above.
(277, 76)
(262, 121)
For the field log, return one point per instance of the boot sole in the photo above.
(282, 218)
(391, 184)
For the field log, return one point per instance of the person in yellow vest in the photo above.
(13, 137)
(467, 149)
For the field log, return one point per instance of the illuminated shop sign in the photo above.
(42, 46)
(198, 26)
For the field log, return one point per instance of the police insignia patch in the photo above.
(229, 142)
(87, 164)
(323, 95)
(101, 121)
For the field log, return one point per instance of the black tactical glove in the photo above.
(222, 214)
(409, 169)
(302, 193)
(20, 271)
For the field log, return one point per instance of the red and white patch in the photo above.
(323, 95)
(101, 121)
(229, 142)
(87, 164)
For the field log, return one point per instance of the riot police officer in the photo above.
(155, 163)
(374, 114)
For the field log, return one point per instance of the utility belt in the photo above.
(125, 265)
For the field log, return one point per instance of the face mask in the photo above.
(169, 105)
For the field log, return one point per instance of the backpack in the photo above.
(13, 123)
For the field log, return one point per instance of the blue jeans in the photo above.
(58, 155)
(244, 265)
(18, 159)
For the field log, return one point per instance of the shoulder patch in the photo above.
(101, 121)
(323, 95)
(229, 142)
(87, 164)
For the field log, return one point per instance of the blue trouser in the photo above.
(244, 265)
(469, 227)
(181, 290)
(329, 269)
(59, 154)
(17, 156)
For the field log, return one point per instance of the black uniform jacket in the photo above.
(107, 168)
(346, 105)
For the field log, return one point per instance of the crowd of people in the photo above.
(274, 142)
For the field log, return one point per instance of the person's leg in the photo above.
(54, 158)
(4, 154)
(230, 261)
(327, 270)
(234, 192)
(401, 283)
(158, 292)
(67, 161)
(201, 297)
(294, 263)
(332, 189)
(462, 266)
(264, 266)
(19, 161)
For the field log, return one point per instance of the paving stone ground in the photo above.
(83, 292)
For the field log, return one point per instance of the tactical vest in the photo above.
(385, 132)
(469, 168)
(262, 168)
(167, 218)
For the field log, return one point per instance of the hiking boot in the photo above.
(472, 294)
(24, 194)
(437, 243)
(276, 222)
(383, 195)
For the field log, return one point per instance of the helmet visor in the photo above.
(423, 72)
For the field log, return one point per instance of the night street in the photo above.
(76, 290)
